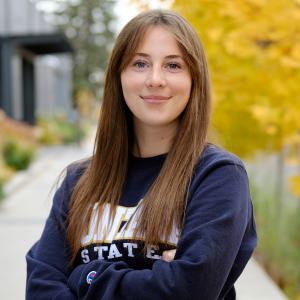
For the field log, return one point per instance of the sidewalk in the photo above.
(23, 213)
(255, 284)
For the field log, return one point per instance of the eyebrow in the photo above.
(168, 56)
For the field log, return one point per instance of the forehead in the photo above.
(158, 39)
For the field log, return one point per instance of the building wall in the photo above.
(21, 16)
(17, 87)
(54, 92)
(53, 81)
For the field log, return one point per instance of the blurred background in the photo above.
(52, 61)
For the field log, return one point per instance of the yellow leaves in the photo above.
(257, 3)
(271, 129)
(143, 5)
(253, 48)
(292, 140)
(290, 62)
(295, 52)
(294, 183)
(237, 44)
(261, 112)
(279, 119)
(268, 118)
(5, 172)
(84, 100)
(215, 34)
(293, 59)
(274, 53)
(229, 9)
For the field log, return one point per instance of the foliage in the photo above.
(17, 155)
(17, 144)
(5, 174)
(1, 189)
(143, 5)
(253, 48)
(59, 130)
(5, 171)
(11, 129)
(89, 26)
(279, 240)
(295, 184)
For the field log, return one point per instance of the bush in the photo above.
(59, 131)
(1, 189)
(17, 156)
(6, 174)
(15, 130)
(17, 143)
(70, 133)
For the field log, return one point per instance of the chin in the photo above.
(156, 120)
(157, 123)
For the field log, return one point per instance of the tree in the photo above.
(253, 48)
(89, 24)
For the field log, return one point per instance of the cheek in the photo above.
(124, 84)
(183, 88)
(130, 88)
(131, 83)
(126, 87)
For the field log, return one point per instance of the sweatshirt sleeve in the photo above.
(218, 219)
(47, 260)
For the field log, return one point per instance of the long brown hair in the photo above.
(103, 180)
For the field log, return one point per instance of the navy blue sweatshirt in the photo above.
(212, 250)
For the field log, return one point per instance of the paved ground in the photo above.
(255, 284)
(23, 213)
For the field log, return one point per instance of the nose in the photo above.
(156, 77)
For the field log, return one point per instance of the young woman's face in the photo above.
(157, 83)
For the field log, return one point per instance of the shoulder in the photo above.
(216, 164)
(68, 179)
(75, 170)
(213, 156)
(219, 180)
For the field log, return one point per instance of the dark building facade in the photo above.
(35, 65)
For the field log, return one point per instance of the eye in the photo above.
(139, 64)
(173, 66)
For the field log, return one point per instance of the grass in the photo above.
(279, 239)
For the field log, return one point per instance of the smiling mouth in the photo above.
(154, 99)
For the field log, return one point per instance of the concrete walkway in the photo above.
(23, 213)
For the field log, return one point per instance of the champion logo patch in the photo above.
(90, 277)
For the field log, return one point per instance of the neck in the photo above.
(153, 140)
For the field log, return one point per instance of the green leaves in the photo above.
(16, 155)
(89, 24)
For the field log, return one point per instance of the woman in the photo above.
(157, 212)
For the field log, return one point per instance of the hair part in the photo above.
(103, 180)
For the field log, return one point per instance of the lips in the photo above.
(155, 98)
